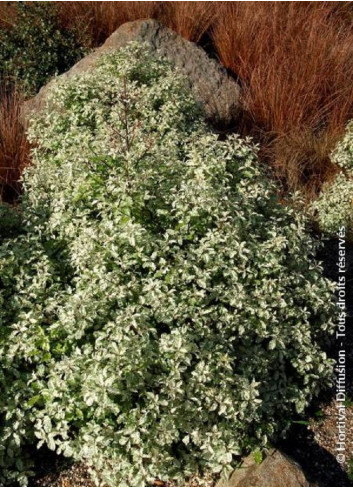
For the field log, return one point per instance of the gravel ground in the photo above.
(62, 475)
(78, 476)
(313, 446)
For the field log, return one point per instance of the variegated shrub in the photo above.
(161, 312)
(334, 206)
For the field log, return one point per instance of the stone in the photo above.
(209, 80)
(276, 470)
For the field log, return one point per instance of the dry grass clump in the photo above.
(300, 159)
(98, 20)
(295, 63)
(292, 58)
(8, 14)
(189, 19)
(14, 147)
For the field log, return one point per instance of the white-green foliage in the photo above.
(343, 153)
(334, 206)
(161, 312)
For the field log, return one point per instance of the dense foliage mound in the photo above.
(161, 312)
(334, 207)
(34, 46)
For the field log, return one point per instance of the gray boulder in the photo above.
(276, 470)
(218, 92)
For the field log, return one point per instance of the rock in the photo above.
(276, 470)
(212, 85)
